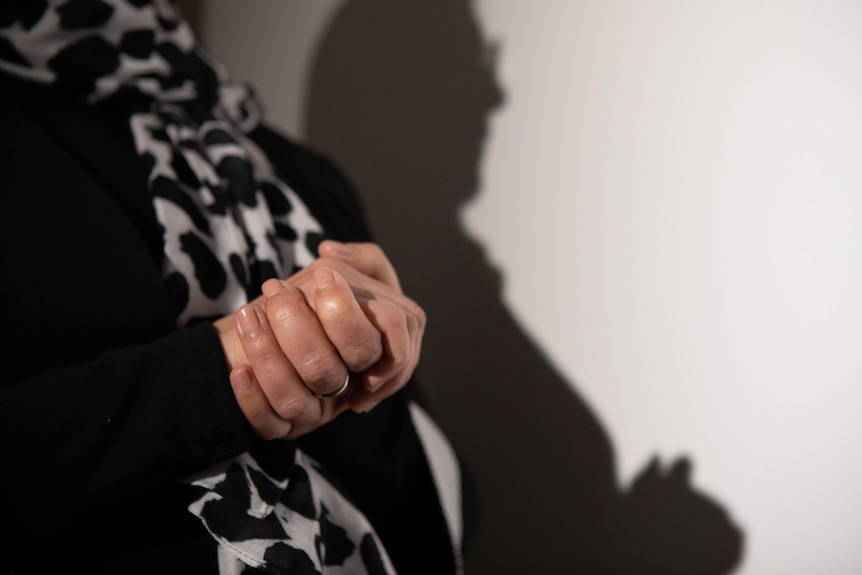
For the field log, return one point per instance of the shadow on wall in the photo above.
(400, 96)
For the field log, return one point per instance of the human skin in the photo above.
(344, 314)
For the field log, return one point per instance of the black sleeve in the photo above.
(101, 397)
(110, 429)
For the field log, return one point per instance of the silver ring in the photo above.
(337, 393)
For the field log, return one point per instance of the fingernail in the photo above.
(247, 321)
(339, 248)
(323, 277)
(372, 383)
(242, 380)
(271, 287)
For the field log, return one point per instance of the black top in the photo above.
(104, 405)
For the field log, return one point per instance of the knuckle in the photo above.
(292, 406)
(267, 431)
(331, 307)
(415, 324)
(375, 249)
(259, 351)
(363, 355)
(282, 308)
(417, 320)
(418, 311)
(252, 340)
(320, 371)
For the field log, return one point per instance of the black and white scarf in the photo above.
(229, 223)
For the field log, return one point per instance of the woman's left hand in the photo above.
(349, 297)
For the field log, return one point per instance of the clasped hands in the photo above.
(342, 316)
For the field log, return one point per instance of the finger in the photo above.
(387, 371)
(354, 336)
(366, 257)
(401, 354)
(303, 340)
(278, 380)
(362, 400)
(392, 324)
(255, 406)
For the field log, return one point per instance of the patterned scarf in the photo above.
(229, 222)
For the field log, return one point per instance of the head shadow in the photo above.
(400, 96)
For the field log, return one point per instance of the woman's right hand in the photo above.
(343, 314)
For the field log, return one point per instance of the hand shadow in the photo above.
(400, 96)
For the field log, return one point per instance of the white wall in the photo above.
(269, 43)
(695, 182)
(683, 180)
